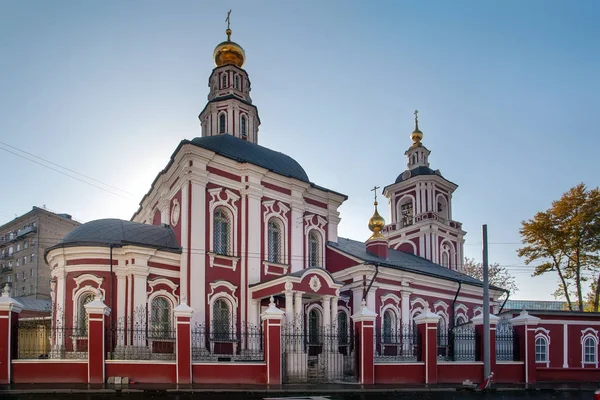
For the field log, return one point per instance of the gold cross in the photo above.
(416, 115)
(374, 190)
(228, 18)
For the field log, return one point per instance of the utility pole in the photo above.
(486, 307)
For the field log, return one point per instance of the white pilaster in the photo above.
(289, 306)
(565, 346)
(405, 307)
(121, 293)
(297, 235)
(357, 294)
(326, 303)
(254, 223)
(371, 298)
(183, 220)
(334, 311)
(198, 257)
(298, 309)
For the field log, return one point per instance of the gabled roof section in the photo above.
(403, 261)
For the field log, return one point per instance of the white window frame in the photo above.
(589, 333)
(172, 304)
(405, 199)
(221, 114)
(543, 334)
(269, 214)
(216, 202)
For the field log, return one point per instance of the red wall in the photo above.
(42, 371)
(143, 373)
(509, 373)
(568, 375)
(229, 373)
(399, 373)
(459, 372)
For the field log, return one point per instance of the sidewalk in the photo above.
(26, 389)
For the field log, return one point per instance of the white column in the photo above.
(298, 309)
(183, 220)
(255, 222)
(297, 225)
(197, 299)
(289, 306)
(140, 279)
(405, 308)
(565, 346)
(332, 224)
(357, 294)
(121, 294)
(371, 298)
(326, 303)
(165, 212)
(417, 199)
(334, 311)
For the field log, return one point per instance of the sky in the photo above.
(507, 94)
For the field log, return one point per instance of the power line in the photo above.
(64, 173)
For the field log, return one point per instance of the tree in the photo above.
(566, 240)
(497, 275)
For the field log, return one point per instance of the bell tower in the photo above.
(421, 210)
(229, 110)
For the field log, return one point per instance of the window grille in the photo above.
(224, 81)
(221, 232)
(314, 249)
(274, 241)
(589, 350)
(540, 349)
(222, 123)
(82, 324)
(160, 318)
(342, 326)
(313, 327)
(222, 323)
(407, 214)
(237, 82)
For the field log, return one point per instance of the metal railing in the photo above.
(227, 342)
(397, 345)
(39, 339)
(507, 343)
(457, 344)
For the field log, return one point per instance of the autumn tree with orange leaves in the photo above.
(565, 239)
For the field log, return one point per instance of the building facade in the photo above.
(23, 242)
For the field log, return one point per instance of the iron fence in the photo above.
(507, 344)
(39, 338)
(400, 345)
(227, 342)
(457, 344)
(317, 354)
(136, 338)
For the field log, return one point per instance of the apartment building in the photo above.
(22, 244)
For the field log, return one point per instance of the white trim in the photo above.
(283, 222)
(50, 361)
(77, 296)
(87, 277)
(141, 362)
(477, 311)
(170, 298)
(164, 281)
(565, 346)
(229, 206)
(321, 236)
(544, 334)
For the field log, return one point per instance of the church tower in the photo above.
(229, 109)
(421, 210)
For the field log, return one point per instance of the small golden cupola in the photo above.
(416, 136)
(229, 52)
(377, 243)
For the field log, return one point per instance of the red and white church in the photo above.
(231, 231)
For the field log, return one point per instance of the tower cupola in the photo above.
(417, 154)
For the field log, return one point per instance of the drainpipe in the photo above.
(453, 311)
(505, 300)
(372, 280)
(37, 260)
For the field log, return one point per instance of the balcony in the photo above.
(26, 231)
(423, 217)
(6, 256)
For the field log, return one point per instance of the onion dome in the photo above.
(229, 52)
(376, 224)
(417, 135)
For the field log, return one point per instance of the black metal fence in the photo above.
(317, 354)
(38, 338)
(137, 338)
(507, 344)
(227, 342)
(397, 345)
(457, 344)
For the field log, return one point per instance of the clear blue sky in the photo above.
(508, 94)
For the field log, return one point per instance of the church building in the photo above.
(229, 224)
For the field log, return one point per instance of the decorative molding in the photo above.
(175, 212)
(315, 284)
(158, 281)
(214, 261)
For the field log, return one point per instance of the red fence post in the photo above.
(271, 318)
(183, 315)
(523, 328)
(98, 313)
(9, 322)
(478, 323)
(364, 332)
(427, 326)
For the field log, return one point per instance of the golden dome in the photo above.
(229, 52)
(376, 224)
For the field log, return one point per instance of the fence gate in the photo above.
(317, 355)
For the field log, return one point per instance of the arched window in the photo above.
(442, 207)
(222, 232)
(414, 159)
(541, 349)
(406, 212)
(342, 328)
(224, 81)
(160, 318)
(445, 260)
(222, 323)
(589, 350)
(314, 322)
(237, 82)
(243, 126)
(222, 123)
(460, 319)
(82, 323)
(314, 249)
(388, 326)
(274, 241)
(442, 332)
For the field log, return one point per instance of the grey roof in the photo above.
(403, 261)
(422, 170)
(33, 304)
(117, 232)
(247, 152)
(539, 305)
